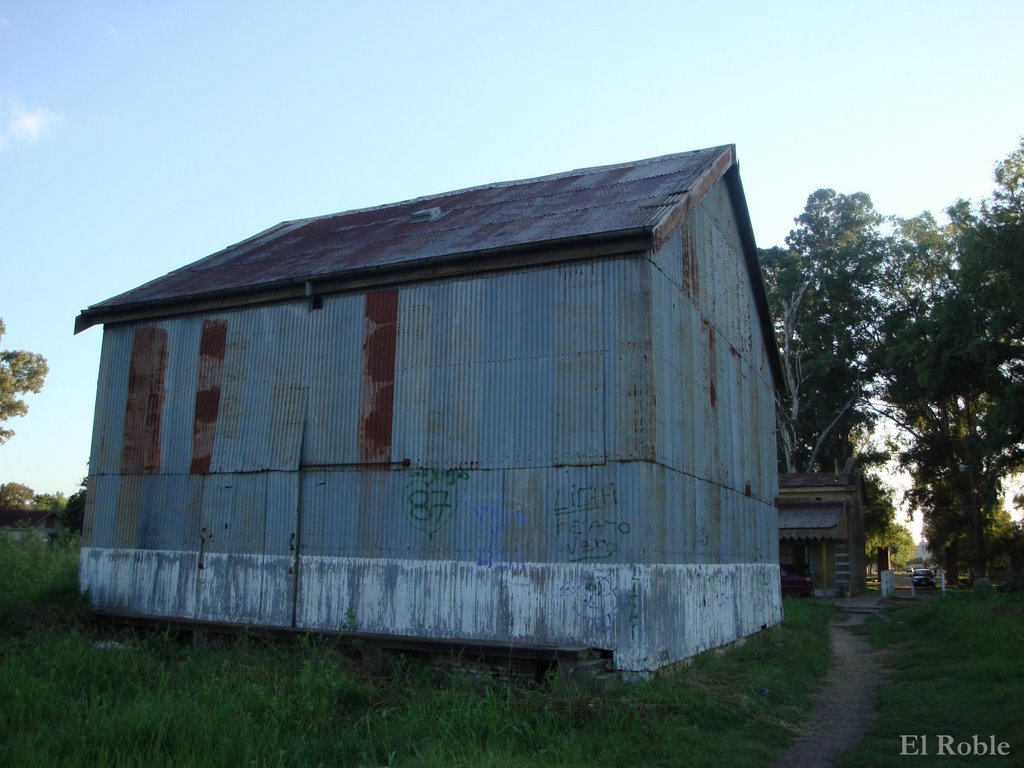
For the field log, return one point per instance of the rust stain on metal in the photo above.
(144, 410)
(212, 348)
(377, 394)
(691, 279)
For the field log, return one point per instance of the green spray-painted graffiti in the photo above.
(431, 497)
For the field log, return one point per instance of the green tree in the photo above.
(1006, 538)
(822, 293)
(879, 509)
(900, 542)
(50, 502)
(74, 510)
(951, 365)
(20, 372)
(881, 531)
(16, 496)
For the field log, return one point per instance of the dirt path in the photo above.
(844, 706)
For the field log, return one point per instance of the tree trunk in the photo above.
(979, 564)
(883, 559)
(952, 557)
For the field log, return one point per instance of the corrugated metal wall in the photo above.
(570, 454)
(715, 418)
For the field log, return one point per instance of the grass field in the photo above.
(154, 700)
(956, 669)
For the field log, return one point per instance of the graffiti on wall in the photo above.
(431, 497)
(593, 599)
(587, 518)
(496, 523)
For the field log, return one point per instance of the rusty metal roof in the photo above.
(630, 199)
(809, 480)
(810, 520)
(10, 517)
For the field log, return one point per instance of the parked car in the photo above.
(923, 577)
(794, 583)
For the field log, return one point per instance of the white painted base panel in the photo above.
(648, 615)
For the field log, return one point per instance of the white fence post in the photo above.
(887, 584)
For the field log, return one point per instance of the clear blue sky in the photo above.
(136, 137)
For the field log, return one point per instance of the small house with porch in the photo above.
(821, 528)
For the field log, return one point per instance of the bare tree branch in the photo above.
(825, 432)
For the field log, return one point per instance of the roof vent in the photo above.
(427, 214)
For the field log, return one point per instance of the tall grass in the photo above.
(71, 697)
(956, 669)
(37, 578)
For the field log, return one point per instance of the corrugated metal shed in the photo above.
(559, 433)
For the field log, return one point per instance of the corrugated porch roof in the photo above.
(810, 520)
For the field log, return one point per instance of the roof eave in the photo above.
(726, 167)
(617, 242)
(757, 284)
(678, 215)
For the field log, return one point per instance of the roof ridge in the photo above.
(497, 222)
(516, 182)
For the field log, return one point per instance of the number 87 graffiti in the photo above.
(431, 498)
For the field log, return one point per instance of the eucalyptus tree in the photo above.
(825, 308)
(950, 362)
(920, 323)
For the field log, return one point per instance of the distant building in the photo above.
(821, 528)
(921, 553)
(42, 523)
(540, 412)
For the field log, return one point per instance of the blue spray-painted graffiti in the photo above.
(495, 523)
(594, 599)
